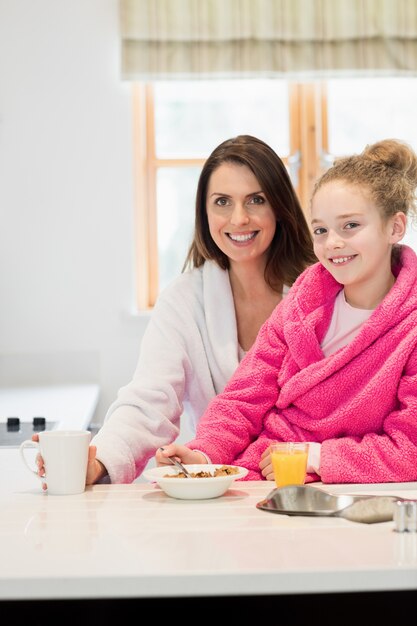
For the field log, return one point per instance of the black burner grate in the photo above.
(12, 436)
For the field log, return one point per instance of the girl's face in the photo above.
(241, 220)
(351, 239)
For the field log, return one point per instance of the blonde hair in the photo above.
(386, 170)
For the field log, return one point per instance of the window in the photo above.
(177, 124)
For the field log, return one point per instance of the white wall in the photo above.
(66, 198)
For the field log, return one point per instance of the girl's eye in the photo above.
(319, 231)
(351, 225)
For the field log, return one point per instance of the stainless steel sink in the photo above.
(313, 501)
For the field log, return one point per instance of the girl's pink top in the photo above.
(360, 402)
(345, 324)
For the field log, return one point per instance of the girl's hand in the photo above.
(265, 465)
(95, 469)
(182, 453)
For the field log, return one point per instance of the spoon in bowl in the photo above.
(179, 465)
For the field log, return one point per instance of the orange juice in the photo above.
(289, 464)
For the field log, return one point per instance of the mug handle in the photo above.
(28, 443)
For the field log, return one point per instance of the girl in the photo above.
(336, 363)
(251, 242)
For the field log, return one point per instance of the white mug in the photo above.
(65, 457)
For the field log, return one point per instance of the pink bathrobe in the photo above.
(360, 403)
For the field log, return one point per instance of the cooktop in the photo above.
(14, 430)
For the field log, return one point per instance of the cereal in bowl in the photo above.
(224, 470)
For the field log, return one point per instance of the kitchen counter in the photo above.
(133, 541)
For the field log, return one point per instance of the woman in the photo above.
(251, 242)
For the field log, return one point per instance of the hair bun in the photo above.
(396, 154)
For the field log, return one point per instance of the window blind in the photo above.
(182, 39)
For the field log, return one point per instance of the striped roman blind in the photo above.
(169, 39)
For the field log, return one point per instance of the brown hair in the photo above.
(291, 249)
(387, 170)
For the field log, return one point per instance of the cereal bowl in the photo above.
(197, 488)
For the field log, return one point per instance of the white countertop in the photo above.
(132, 541)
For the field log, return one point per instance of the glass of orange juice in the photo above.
(289, 461)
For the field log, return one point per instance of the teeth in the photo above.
(342, 259)
(242, 237)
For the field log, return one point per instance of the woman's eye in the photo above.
(351, 225)
(221, 202)
(258, 200)
(319, 231)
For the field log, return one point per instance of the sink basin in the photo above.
(304, 500)
(307, 500)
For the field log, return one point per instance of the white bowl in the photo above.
(193, 488)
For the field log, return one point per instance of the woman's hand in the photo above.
(95, 469)
(39, 463)
(265, 465)
(182, 453)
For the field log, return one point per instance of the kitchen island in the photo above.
(132, 543)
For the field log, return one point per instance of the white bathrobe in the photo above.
(188, 353)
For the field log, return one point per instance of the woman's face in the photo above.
(241, 220)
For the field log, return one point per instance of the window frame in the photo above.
(306, 161)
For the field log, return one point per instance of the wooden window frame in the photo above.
(308, 145)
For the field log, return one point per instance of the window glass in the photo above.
(176, 189)
(363, 111)
(192, 118)
(411, 235)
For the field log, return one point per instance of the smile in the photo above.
(243, 237)
(340, 260)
